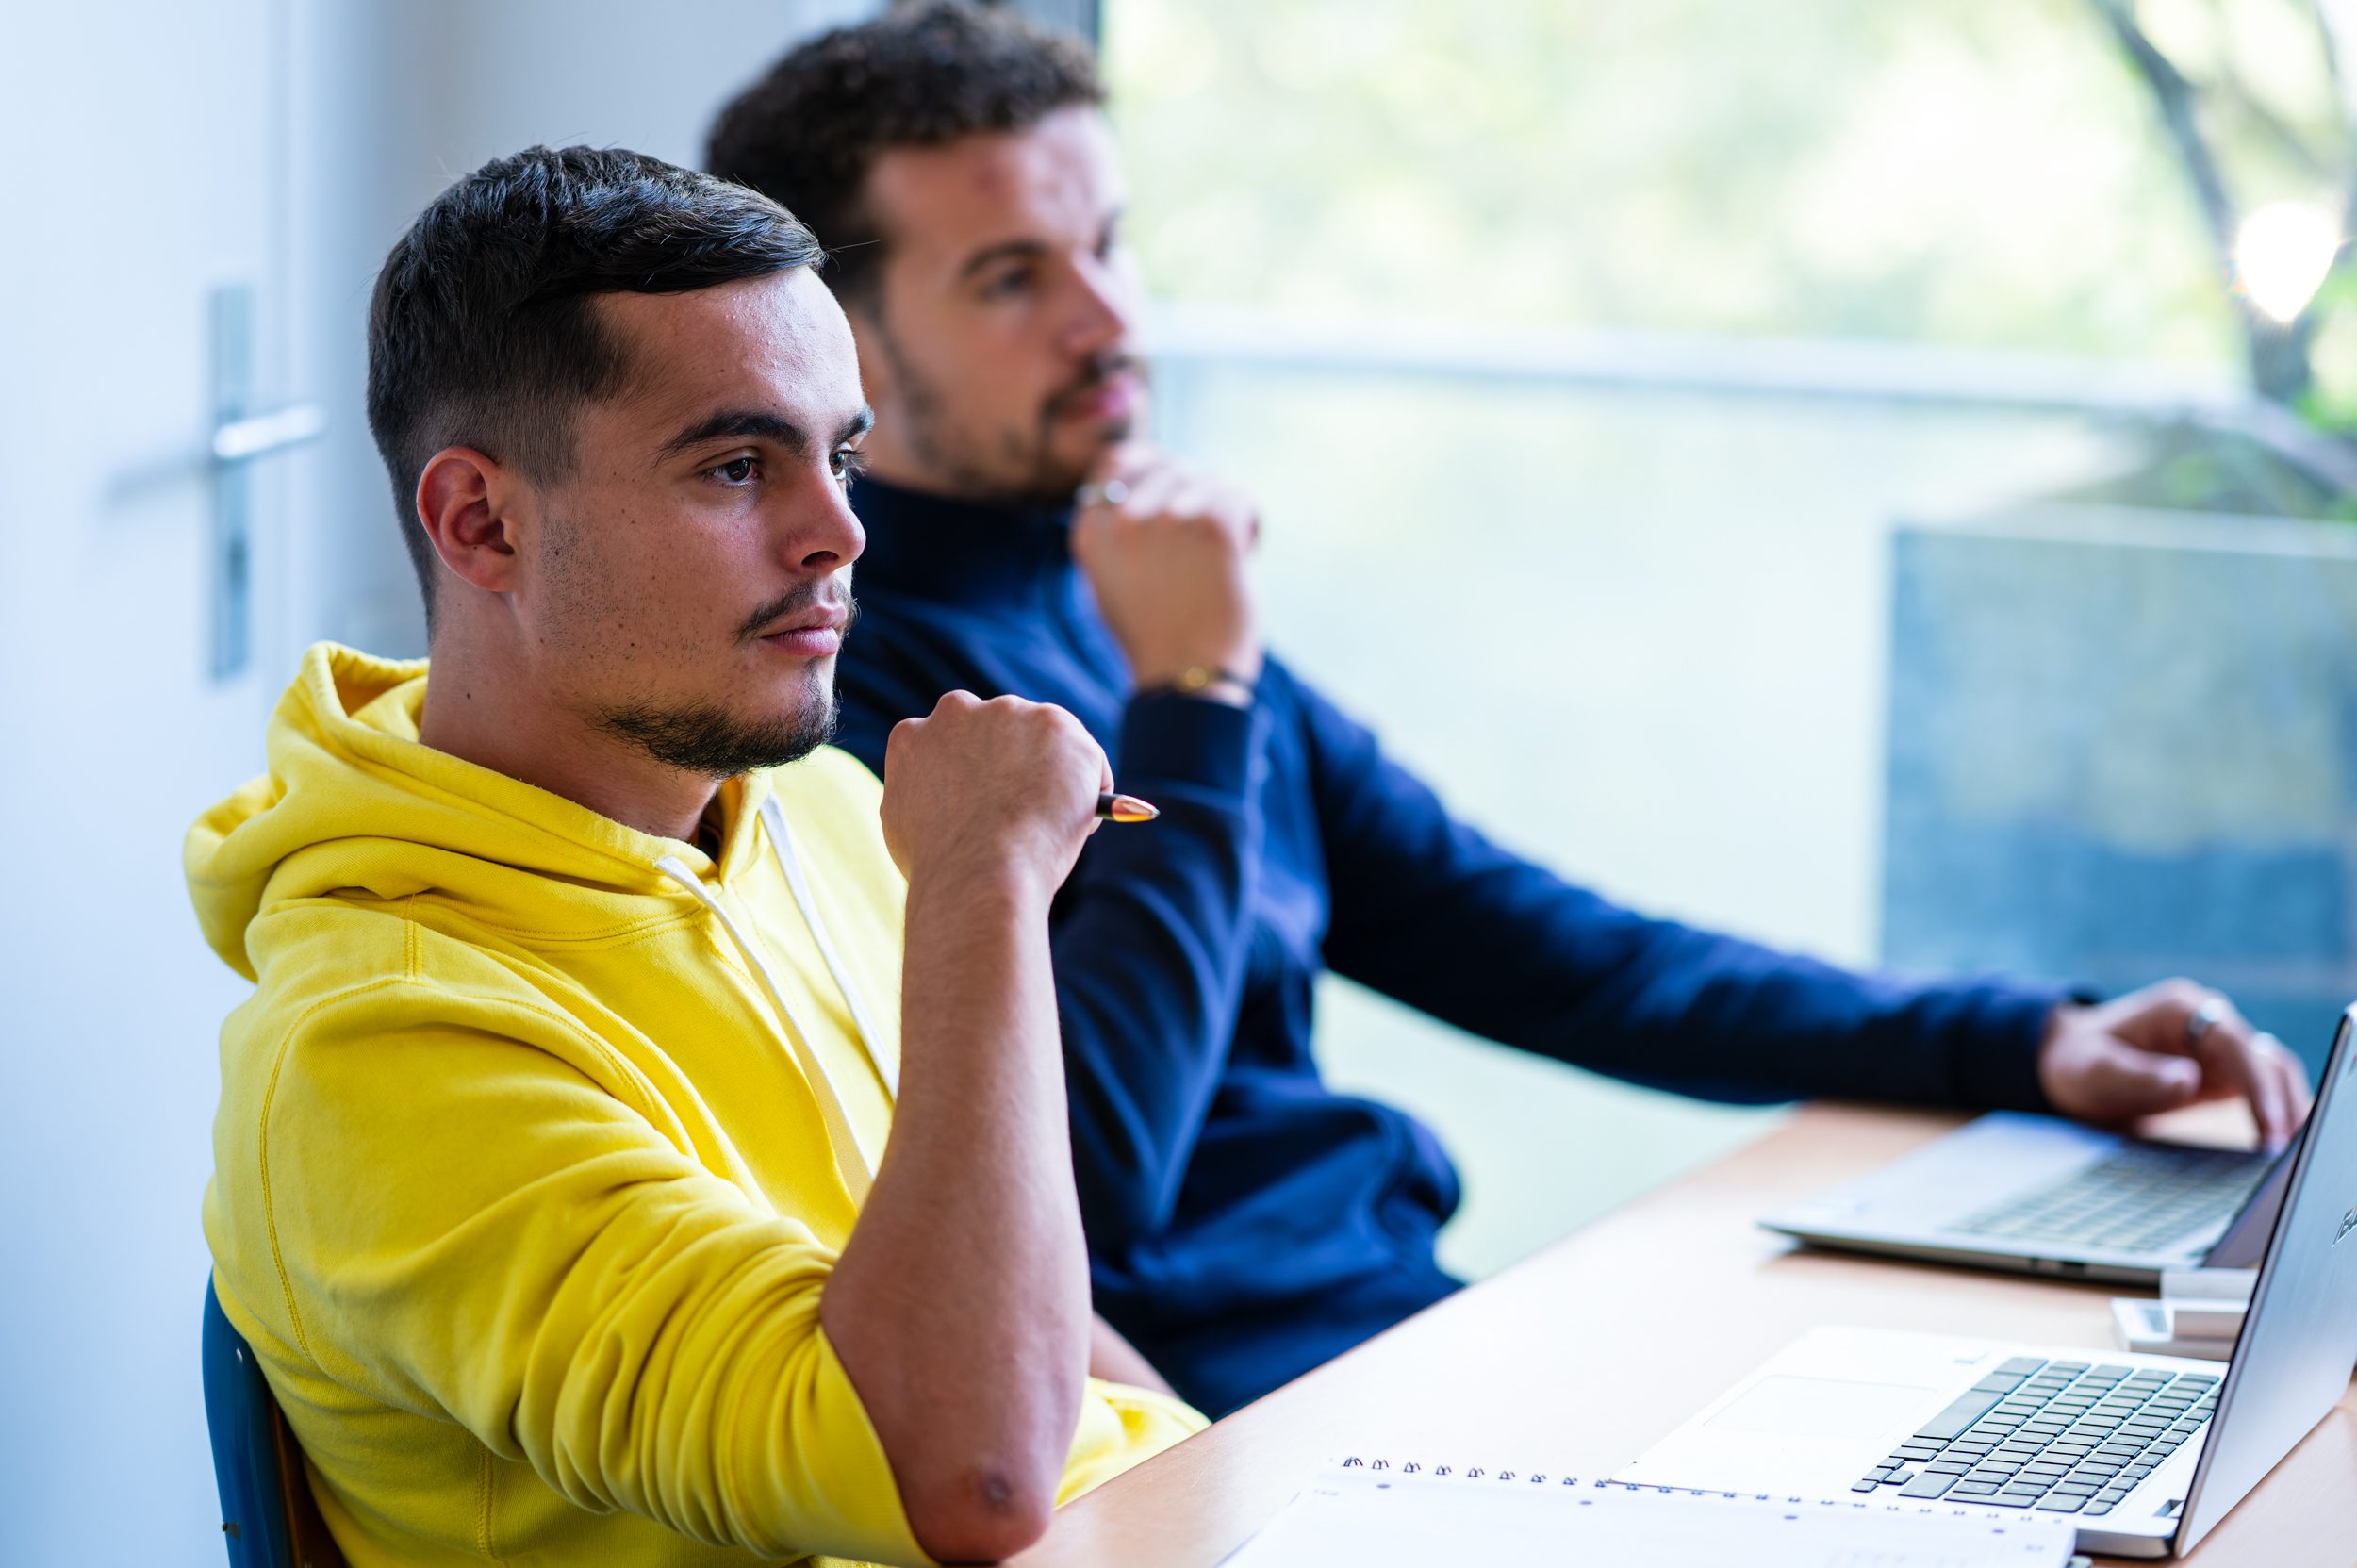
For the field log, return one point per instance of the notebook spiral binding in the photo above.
(1496, 1475)
(1476, 1473)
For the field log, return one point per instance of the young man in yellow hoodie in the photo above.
(646, 1141)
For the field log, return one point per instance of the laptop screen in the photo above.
(2291, 1363)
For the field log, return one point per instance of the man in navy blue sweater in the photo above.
(1245, 1222)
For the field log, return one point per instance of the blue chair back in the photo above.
(268, 1519)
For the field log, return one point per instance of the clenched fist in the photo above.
(991, 789)
(1164, 549)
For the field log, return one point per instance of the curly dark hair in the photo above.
(480, 334)
(807, 134)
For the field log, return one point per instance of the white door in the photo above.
(160, 150)
(146, 171)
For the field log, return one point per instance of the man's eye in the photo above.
(1006, 284)
(737, 471)
(845, 463)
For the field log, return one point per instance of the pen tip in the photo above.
(1128, 808)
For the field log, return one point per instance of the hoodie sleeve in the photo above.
(469, 1224)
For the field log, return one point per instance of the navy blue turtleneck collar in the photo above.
(956, 552)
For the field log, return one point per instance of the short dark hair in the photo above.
(481, 331)
(808, 133)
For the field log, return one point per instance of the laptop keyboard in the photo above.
(2140, 1199)
(2062, 1437)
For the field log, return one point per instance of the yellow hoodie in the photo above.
(537, 1139)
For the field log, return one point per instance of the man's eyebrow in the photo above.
(1007, 250)
(759, 425)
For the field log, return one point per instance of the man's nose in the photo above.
(823, 534)
(1103, 312)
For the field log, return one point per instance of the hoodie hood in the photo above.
(356, 806)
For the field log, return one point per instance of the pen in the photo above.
(1125, 808)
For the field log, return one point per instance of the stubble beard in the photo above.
(706, 739)
(703, 737)
(1020, 469)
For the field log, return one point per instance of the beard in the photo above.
(1020, 468)
(705, 738)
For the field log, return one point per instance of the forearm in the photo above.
(1433, 914)
(1568, 975)
(959, 1307)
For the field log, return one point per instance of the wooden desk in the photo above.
(1583, 1356)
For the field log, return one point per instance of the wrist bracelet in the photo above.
(1194, 680)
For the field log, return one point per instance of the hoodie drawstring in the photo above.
(782, 844)
(856, 1166)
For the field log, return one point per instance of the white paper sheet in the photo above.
(1392, 1517)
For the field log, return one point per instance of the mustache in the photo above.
(1099, 369)
(810, 596)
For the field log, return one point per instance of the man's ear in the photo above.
(465, 504)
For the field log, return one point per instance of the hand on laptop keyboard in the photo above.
(2168, 1046)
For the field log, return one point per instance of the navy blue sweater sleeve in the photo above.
(1149, 936)
(1431, 912)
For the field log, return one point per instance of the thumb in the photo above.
(2131, 1082)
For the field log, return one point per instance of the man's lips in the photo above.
(1116, 397)
(809, 636)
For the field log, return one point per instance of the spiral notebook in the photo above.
(1381, 1514)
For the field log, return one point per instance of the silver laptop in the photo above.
(2144, 1454)
(2038, 1196)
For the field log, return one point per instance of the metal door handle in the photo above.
(259, 434)
(239, 438)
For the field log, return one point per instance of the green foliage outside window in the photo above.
(1948, 172)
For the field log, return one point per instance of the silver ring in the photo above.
(1112, 492)
(2206, 1017)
